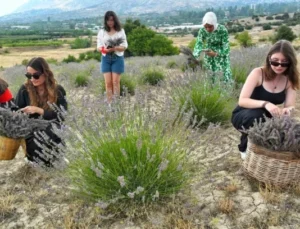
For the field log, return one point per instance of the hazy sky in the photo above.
(10, 5)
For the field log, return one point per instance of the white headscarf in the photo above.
(211, 19)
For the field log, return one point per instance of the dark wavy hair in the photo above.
(39, 64)
(286, 48)
(117, 24)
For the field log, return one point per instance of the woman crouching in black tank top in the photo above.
(266, 87)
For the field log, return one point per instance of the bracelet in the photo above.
(264, 104)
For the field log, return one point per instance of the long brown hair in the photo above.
(286, 48)
(117, 24)
(50, 95)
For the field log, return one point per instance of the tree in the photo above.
(131, 25)
(284, 32)
(144, 41)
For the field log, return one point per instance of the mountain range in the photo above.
(72, 9)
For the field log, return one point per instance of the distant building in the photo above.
(20, 27)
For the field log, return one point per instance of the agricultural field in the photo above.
(192, 168)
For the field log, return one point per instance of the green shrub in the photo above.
(81, 80)
(232, 44)
(69, 59)
(93, 55)
(244, 39)
(263, 39)
(207, 102)
(192, 43)
(82, 56)
(172, 64)
(152, 76)
(52, 61)
(284, 32)
(25, 62)
(130, 155)
(267, 27)
(80, 43)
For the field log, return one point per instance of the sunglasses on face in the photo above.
(276, 64)
(35, 75)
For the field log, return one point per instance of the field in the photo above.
(218, 195)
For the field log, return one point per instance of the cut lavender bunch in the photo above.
(192, 61)
(114, 42)
(19, 125)
(279, 134)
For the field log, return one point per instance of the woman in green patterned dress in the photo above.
(213, 41)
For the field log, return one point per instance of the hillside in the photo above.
(61, 10)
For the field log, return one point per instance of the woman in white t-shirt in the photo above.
(112, 42)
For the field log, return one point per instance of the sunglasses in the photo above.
(35, 75)
(276, 64)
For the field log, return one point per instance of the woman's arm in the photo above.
(199, 44)
(100, 43)
(224, 40)
(290, 100)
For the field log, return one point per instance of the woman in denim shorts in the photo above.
(112, 42)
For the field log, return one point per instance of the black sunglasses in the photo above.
(276, 64)
(35, 75)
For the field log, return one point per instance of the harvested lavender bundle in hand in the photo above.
(19, 125)
(279, 134)
(114, 42)
(192, 61)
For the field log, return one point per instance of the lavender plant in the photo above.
(152, 76)
(19, 125)
(131, 154)
(208, 102)
(279, 134)
(127, 85)
(244, 60)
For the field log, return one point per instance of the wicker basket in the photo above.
(277, 168)
(8, 148)
(23, 146)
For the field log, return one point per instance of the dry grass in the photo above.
(270, 193)
(17, 55)
(6, 204)
(226, 205)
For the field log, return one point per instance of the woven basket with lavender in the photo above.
(15, 126)
(273, 153)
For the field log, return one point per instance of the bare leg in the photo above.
(108, 86)
(116, 84)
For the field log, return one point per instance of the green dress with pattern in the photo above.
(216, 41)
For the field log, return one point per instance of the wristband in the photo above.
(264, 104)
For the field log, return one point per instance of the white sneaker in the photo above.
(243, 155)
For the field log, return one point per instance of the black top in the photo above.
(260, 93)
(22, 100)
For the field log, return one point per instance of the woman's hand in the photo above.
(108, 50)
(33, 110)
(211, 53)
(274, 110)
(287, 110)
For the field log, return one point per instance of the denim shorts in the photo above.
(112, 63)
